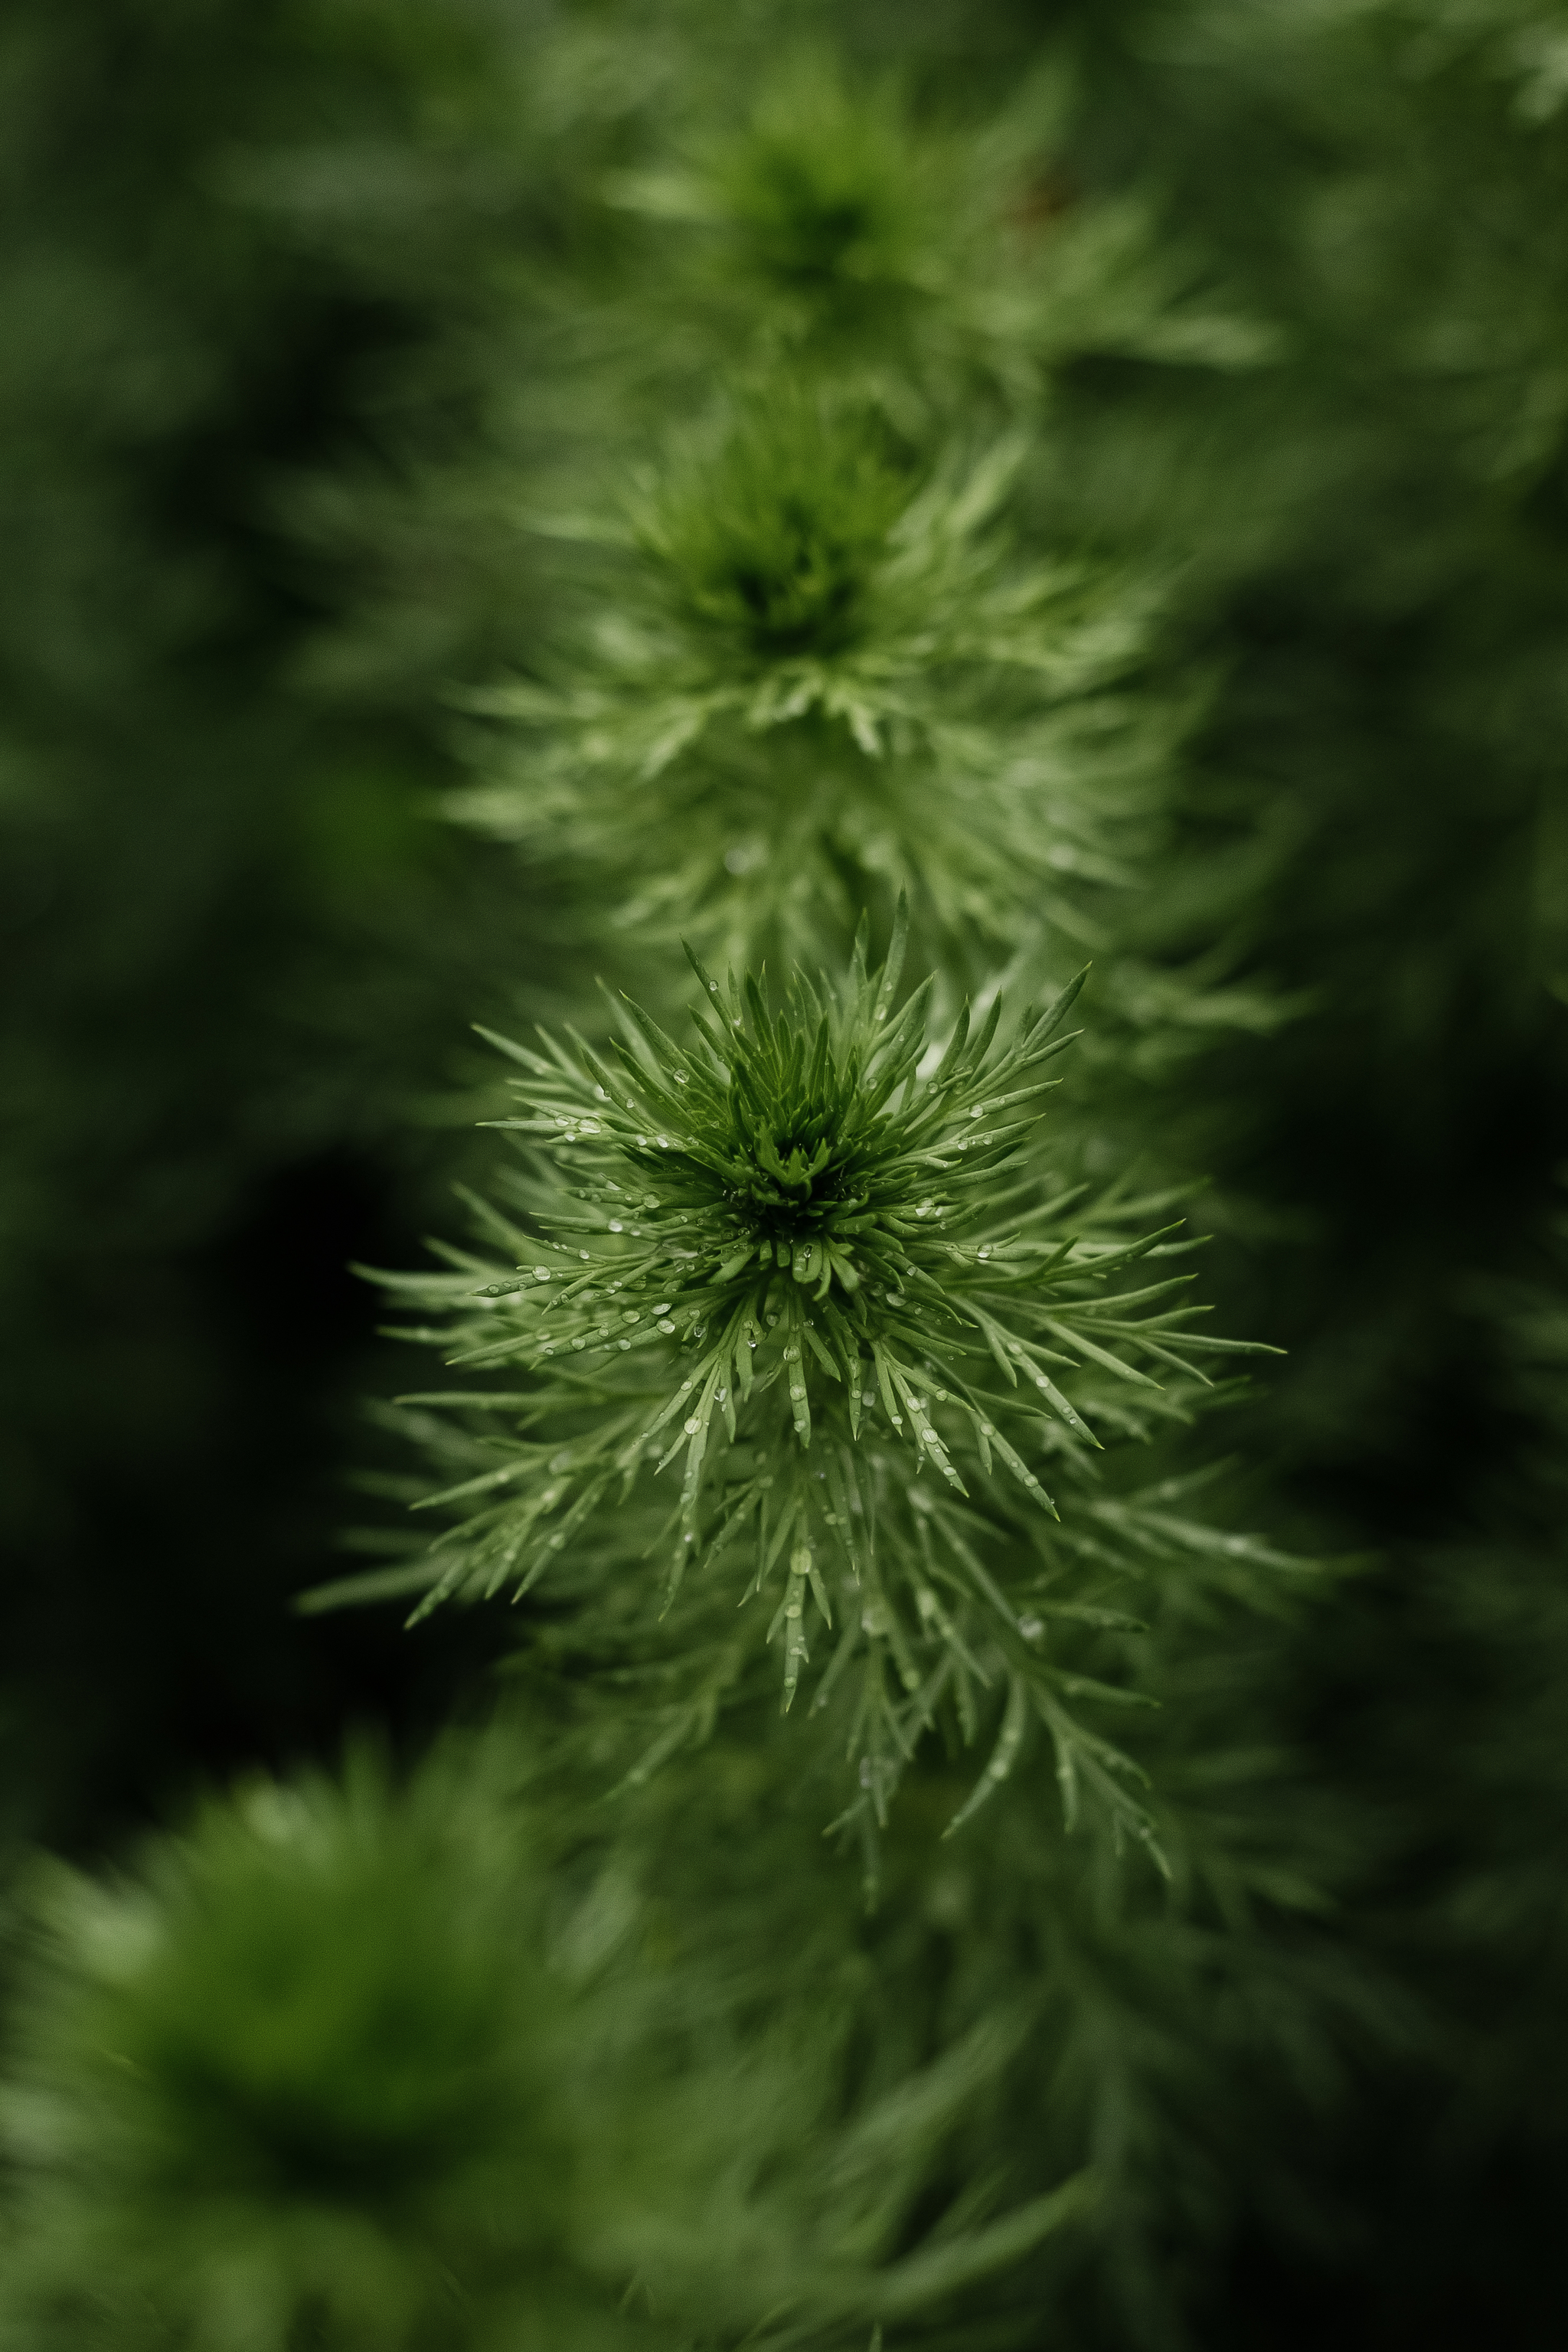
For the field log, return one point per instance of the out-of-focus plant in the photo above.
(348, 2059)
(817, 675)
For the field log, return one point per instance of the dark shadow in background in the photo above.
(155, 1627)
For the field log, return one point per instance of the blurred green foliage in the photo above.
(316, 313)
(354, 2064)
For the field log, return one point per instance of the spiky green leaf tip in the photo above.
(799, 1223)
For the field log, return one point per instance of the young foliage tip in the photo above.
(816, 1267)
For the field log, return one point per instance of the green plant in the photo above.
(363, 2063)
(822, 1272)
(813, 674)
(298, 2072)
(793, 566)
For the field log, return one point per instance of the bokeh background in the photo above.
(270, 283)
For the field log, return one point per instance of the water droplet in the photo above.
(664, 1143)
(692, 1426)
(867, 1396)
(582, 1253)
(615, 1228)
(791, 1609)
(626, 1343)
(796, 1391)
(987, 1429)
(924, 1208)
(978, 1111)
(579, 1343)
(720, 1396)
(984, 1253)
(665, 1324)
(1031, 1628)
(541, 1274)
(713, 988)
(680, 1078)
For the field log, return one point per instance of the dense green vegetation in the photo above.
(495, 490)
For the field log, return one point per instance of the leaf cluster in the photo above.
(813, 675)
(940, 263)
(816, 1262)
(363, 2065)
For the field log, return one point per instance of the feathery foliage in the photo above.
(1120, 509)
(816, 1269)
(351, 2063)
(816, 677)
(942, 267)
(300, 2074)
